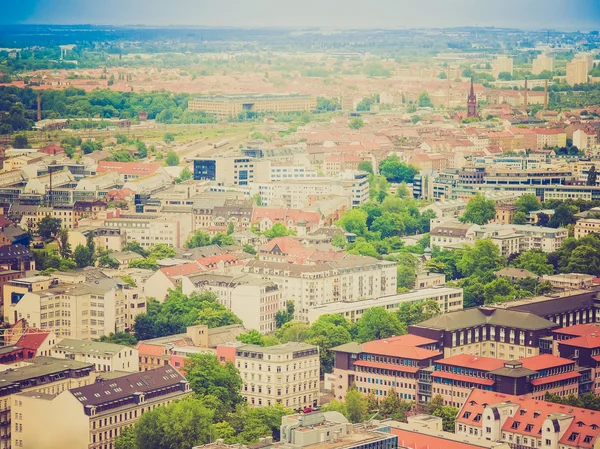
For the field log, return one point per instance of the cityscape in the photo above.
(300, 226)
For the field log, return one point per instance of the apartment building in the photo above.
(232, 105)
(255, 300)
(577, 71)
(542, 63)
(486, 332)
(286, 374)
(502, 64)
(570, 281)
(15, 289)
(105, 356)
(586, 226)
(312, 285)
(529, 423)
(232, 171)
(39, 376)
(513, 239)
(448, 299)
(149, 229)
(93, 416)
(129, 171)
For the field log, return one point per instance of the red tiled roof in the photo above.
(579, 329)
(33, 338)
(390, 366)
(211, 260)
(475, 362)
(472, 379)
(128, 168)
(550, 379)
(182, 270)
(149, 349)
(285, 244)
(544, 361)
(585, 341)
(596, 358)
(409, 340)
(542, 409)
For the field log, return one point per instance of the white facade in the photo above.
(105, 356)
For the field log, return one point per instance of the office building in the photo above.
(233, 105)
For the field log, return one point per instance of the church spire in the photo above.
(472, 102)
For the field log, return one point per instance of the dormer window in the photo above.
(573, 436)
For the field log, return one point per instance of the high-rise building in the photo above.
(577, 71)
(502, 64)
(542, 63)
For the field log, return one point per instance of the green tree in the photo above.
(528, 203)
(285, 316)
(169, 137)
(356, 123)
(339, 240)
(424, 101)
(592, 175)
(172, 159)
(62, 240)
(535, 261)
(292, 331)
(230, 228)
(48, 227)
(197, 240)
(207, 376)
(278, 230)
(354, 221)
(563, 216)
(135, 247)
(222, 240)
(364, 248)
(355, 405)
(21, 141)
(119, 338)
(479, 210)
(396, 171)
(403, 191)
(377, 323)
(247, 248)
(327, 332)
(366, 166)
(83, 257)
(482, 257)
(499, 290)
(520, 218)
(185, 175)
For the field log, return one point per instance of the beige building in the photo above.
(577, 71)
(586, 226)
(149, 230)
(429, 280)
(502, 64)
(105, 356)
(92, 416)
(14, 291)
(542, 63)
(585, 139)
(42, 375)
(570, 281)
(287, 374)
(448, 299)
(232, 105)
(255, 300)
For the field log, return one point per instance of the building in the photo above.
(233, 105)
(542, 63)
(92, 416)
(286, 374)
(472, 103)
(232, 171)
(129, 171)
(255, 300)
(570, 281)
(42, 375)
(525, 422)
(585, 226)
(149, 230)
(486, 332)
(577, 71)
(429, 280)
(515, 274)
(502, 64)
(585, 138)
(105, 356)
(399, 363)
(448, 299)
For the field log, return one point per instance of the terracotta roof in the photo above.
(462, 378)
(33, 338)
(390, 366)
(416, 440)
(384, 347)
(148, 349)
(544, 361)
(212, 260)
(550, 379)
(410, 340)
(128, 168)
(585, 341)
(474, 362)
(182, 270)
(579, 329)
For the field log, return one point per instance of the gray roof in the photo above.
(40, 366)
(73, 346)
(476, 317)
(513, 372)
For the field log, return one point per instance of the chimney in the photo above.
(525, 94)
(546, 95)
(39, 106)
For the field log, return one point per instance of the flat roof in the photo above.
(251, 97)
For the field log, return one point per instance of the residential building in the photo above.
(502, 64)
(542, 63)
(452, 235)
(255, 300)
(400, 363)
(527, 422)
(585, 139)
(15, 289)
(429, 280)
(514, 239)
(486, 332)
(570, 281)
(286, 374)
(93, 416)
(105, 356)
(577, 71)
(585, 226)
(232, 105)
(42, 375)
(448, 299)
(515, 274)
(149, 230)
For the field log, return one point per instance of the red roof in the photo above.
(212, 261)
(534, 412)
(285, 244)
(182, 270)
(410, 340)
(545, 361)
(586, 341)
(398, 349)
(128, 168)
(390, 366)
(474, 362)
(460, 377)
(33, 338)
(149, 349)
(550, 379)
(415, 440)
(579, 329)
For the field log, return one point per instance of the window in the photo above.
(515, 425)
(528, 427)
(573, 436)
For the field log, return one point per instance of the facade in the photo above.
(542, 63)
(148, 230)
(577, 71)
(232, 105)
(570, 281)
(93, 416)
(586, 226)
(105, 356)
(286, 374)
(232, 171)
(502, 64)
(448, 299)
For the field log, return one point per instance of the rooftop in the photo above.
(73, 346)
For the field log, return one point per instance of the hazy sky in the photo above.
(536, 14)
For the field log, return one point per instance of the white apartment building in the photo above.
(296, 194)
(255, 300)
(502, 64)
(149, 230)
(286, 374)
(291, 172)
(542, 63)
(448, 299)
(520, 238)
(105, 356)
(309, 286)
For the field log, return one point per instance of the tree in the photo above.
(535, 261)
(520, 218)
(119, 338)
(354, 221)
(505, 76)
(528, 203)
(90, 146)
(185, 175)
(64, 247)
(364, 248)
(395, 171)
(222, 240)
(592, 175)
(563, 216)
(207, 376)
(339, 240)
(327, 332)
(355, 405)
(247, 248)
(169, 137)
(499, 290)
(377, 323)
(357, 123)
(292, 331)
(172, 159)
(366, 166)
(285, 316)
(448, 415)
(83, 256)
(197, 240)
(254, 337)
(278, 230)
(482, 257)
(479, 210)
(48, 227)
(403, 191)
(230, 228)
(135, 247)
(424, 101)
(21, 141)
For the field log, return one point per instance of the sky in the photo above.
(527, 14)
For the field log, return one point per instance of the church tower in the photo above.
(472, 102)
